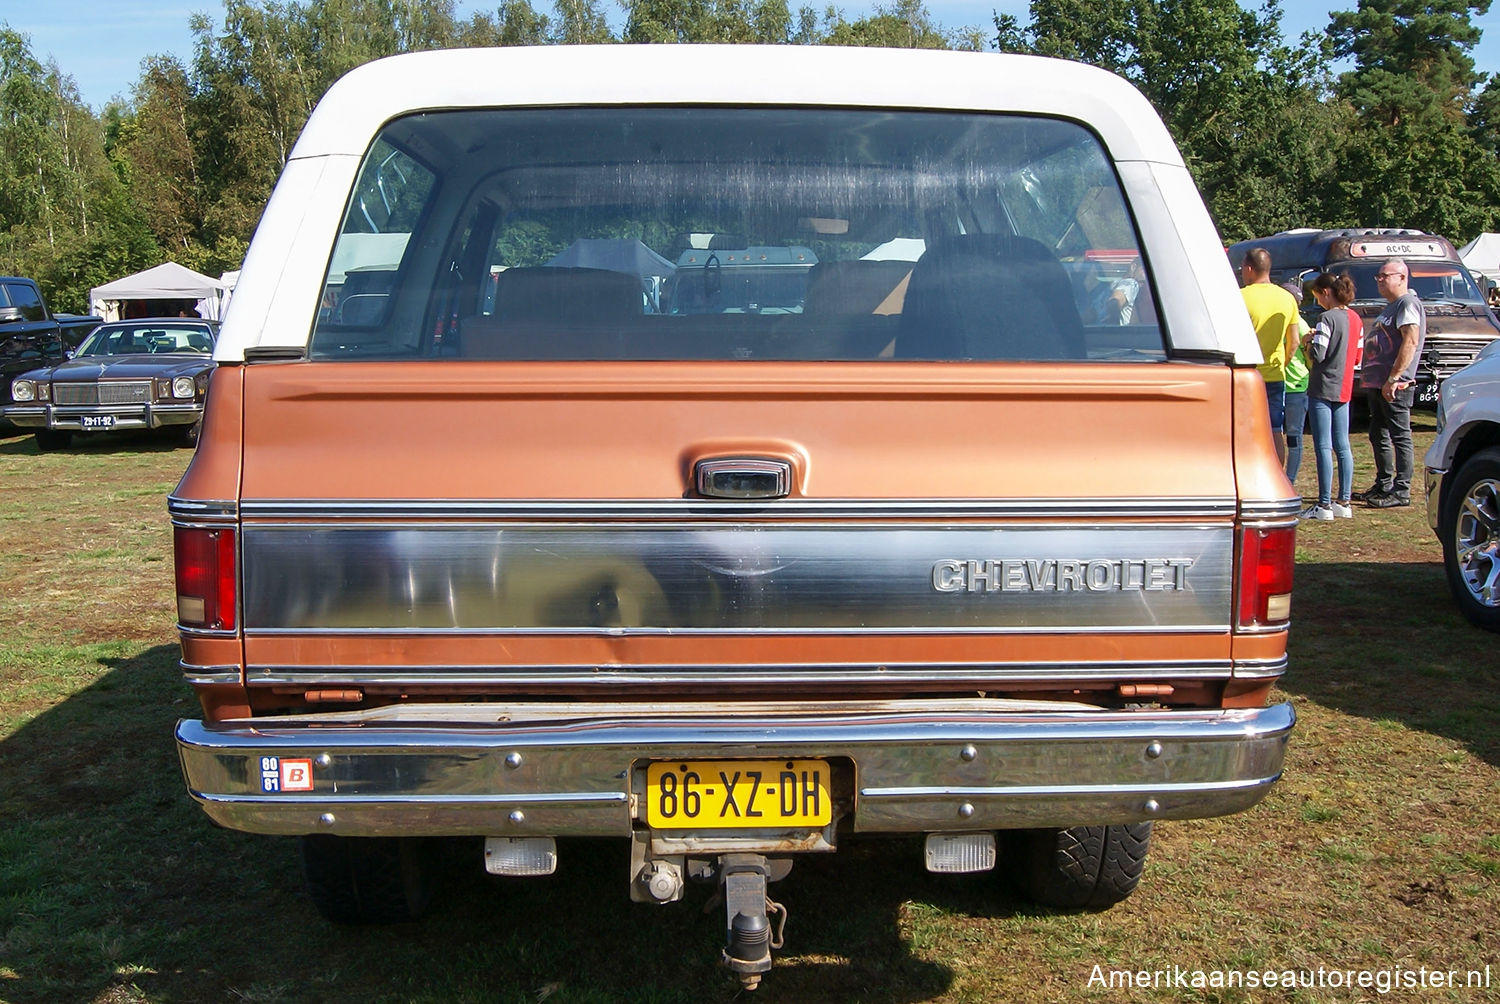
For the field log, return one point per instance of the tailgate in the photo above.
(533, 525)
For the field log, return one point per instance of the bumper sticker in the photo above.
(285, 774)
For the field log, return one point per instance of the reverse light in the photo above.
(1267, 556)
(522, 856)
(960, 853)
(205, 577)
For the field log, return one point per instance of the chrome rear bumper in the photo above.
(946, 768)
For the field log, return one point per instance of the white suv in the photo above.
(1463, 486)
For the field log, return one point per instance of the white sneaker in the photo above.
(1318, 512)
(1343, 510)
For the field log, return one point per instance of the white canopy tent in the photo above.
(168, 281)
(229, 279)
(1482, 257)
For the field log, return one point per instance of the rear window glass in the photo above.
(720, 233)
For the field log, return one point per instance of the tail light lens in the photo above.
(205, 577)
(1267, 555)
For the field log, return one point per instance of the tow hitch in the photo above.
(748, 914)
(753, 922)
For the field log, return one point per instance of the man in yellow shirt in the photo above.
(1273, 313)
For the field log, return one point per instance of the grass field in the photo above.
(1379, 850)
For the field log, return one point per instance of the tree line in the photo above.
(1380, 120)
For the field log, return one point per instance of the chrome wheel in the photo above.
(1476, 541)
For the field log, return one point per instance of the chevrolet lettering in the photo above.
(580, 462)
(1052, 576)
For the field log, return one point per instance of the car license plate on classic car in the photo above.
(738, 794)
(1428, 392)
(97, 422)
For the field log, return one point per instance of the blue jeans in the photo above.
(1295, 417)
(1330, 429)
(1276, 401)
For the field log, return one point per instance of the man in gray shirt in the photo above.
(1393, 344)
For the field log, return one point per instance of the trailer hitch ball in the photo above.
(749, 949)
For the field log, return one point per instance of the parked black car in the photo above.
(30, 334)
(150, 373)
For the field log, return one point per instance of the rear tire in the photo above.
(1470, 531)
(48, 440)
(367, 880)
(1082, 867)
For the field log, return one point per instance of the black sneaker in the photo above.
(1370, 492)
(1387, 500)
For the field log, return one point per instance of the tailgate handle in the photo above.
(743, 478)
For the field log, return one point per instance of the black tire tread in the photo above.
(1083, 867)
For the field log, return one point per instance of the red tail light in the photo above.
(1267, 555)
(205, 577)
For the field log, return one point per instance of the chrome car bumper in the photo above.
(437, 770)
(70, 417)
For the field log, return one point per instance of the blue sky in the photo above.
(101, 45)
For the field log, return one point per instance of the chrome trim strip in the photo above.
(1265, 629)
(916, 770)
(582, 799)
(198, 632)
(216, 509)
(1269, 509)
(635, 632)
(209, 674)
(1260, 669)
(483, 714)
(1022, 790)
(780, 675)
(677, 523)
(1208, 507)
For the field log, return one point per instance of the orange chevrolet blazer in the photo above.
(736, 451)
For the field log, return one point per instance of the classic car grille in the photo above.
(135, 392)
(1445, 356)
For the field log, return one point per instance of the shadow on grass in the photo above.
(1385, 642)
(115, 886)
(20, 442)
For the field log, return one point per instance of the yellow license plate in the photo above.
(738, 794)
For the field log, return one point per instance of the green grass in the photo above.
(1380, 847)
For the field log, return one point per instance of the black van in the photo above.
(1459, 322)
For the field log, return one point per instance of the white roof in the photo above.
(359, 103)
